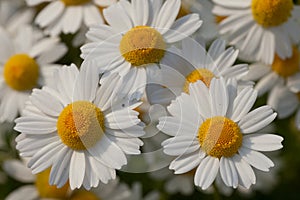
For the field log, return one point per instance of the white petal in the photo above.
(28, 191)
(35, 125)
(121, 21)
(245, 172)
(182, 28)
(77, 169)
(167, 15)
(216, 48)
(228, 172)
(140, 12)
(87, 82)
(206, 172)
(91, 15)
(18, 170)
(108, 153)
(60, 170)
(257, 119)
(283, 101)
(72, 19)
(203, 101)
(219, 97)
(46, 103)
(262, 142)
(50, 13)
(187, 162)
(256, 159)
(180, 145)
(43, 159)
(234, 3)
(243, 103)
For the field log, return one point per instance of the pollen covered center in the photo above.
(21, 72)
(142, 45)
(75, 2)
(49, 191)
(83, 194)
(288, 67)
(270, 13)
(220, 137)
(203, 75)
(80, 125)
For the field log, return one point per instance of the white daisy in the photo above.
(26, 62)
(190, 64)
(214, 132)
(137, 36)
(278, 73)
(80, 127)
(68, 16)
(260, 28)
(14, 14)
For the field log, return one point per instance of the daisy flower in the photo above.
(190, 64)
(14, 14)
(80, 127)
(280, 72)
(67, 16)
(260, 28)
(26, 62)
(215, 134)
(136, 39)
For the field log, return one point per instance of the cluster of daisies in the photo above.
(98, 88)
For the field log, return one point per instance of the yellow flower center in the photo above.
(74, 2)
(142, 45)
(204, 75)
(289, 66)
(47, 191)
(82, 194)
(220, 137)
(80, 125)
(21, 72)
(270, 13)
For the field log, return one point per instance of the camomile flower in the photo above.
(14, 14)
(215, 133)
(192, 63)
(67, 16)
(26, 62)
(280, 72)
(137, 36)
(80, 127)
(260, 28)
